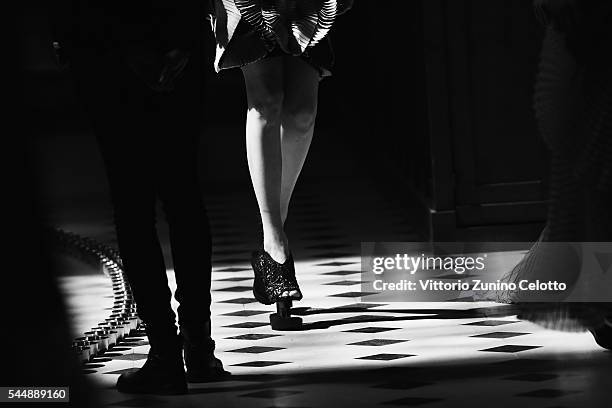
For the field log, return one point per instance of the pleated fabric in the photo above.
(573, 106)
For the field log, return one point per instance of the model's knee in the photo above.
(299, 121)
(267, 108)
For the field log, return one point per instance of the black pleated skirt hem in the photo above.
(247, 47)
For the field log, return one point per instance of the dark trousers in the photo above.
(149, 144)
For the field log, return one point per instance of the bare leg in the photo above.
(264, 87)
(301, 87)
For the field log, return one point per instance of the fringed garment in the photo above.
(573, 106)
(247, 31)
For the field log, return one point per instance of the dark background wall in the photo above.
(378, 74)
(488, 161)
(430, 103)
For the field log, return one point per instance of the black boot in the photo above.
(163, 372)
(199, 347)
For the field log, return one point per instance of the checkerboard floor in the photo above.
(352, 352)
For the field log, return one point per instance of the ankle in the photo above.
(276, 244)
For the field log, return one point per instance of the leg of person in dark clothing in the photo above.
(138, 66)
(190, 239)
(123, 112)
(149, 144)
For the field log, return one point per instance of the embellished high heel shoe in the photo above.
(273, 279)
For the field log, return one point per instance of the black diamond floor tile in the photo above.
(344, 283)
(336, 263)
(490, 323)
(235, 289)
(510, 348)
(376, 342)
(500, 335)
(231, 269)
(236, 279)
(240, 301)
(125, 370)
(341, 273)
(385, 357)
(247, 325)
(256, 349)
(354, 294)
(253, 336)
(260, 363)
(246, 313)
(360, 306)
(372, 330)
